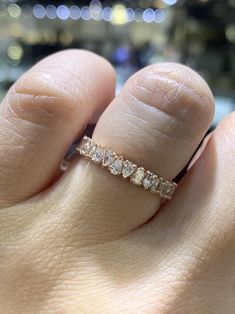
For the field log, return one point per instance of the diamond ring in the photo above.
(117, 165)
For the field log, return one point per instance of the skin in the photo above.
(89, 242)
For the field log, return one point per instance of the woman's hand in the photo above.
(89, 242)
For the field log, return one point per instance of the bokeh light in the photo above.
(14, 10)
(138, 15)
(15, 52)
(51, 12)
(39, 11)
(75, 12)
(107, 14)
(85, 13)
(149, 15)
(230, 33)
(119, 14)
(170, 2)
(96, 12)
(63, 12)
(160, 15)
(130, 14)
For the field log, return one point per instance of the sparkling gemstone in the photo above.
(167, 188)
(138, 176)
(98, 155)
(128, 168)
(84, 146)
(116, 167)
(108, 158)
(91, 151)
(148, 180)
(156, 184)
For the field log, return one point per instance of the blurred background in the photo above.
(131, 34)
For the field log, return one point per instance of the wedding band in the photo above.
(117, 165)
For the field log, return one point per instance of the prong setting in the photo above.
(117, 166)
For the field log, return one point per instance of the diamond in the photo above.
(148, 180)
(84, 146)
(167, 188)
(108, 158)
(128, 168)
(116, 167)
(91, 150)
(98, 155)
(138, 176)
(156, 184)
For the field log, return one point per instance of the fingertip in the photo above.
(52, 87)
(43, 114)
(174, 89)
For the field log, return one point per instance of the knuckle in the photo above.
(38, 98)
(175, 90)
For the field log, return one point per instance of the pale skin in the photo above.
(89, 242)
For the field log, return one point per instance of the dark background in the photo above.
(131, 34)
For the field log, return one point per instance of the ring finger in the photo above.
(157, 121)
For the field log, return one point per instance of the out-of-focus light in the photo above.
(51, 12)
(130, 14)
(138, 15)
(204, 1)
(15, 52)
(107, 14)
(119, 14)
(170, 2)
(149, 15)
(14, 10)
(32, 37)
(16, 30)
(121, 54)
(160, 15)
(63, 12)
(85, 13)
(66, 38)
(96, 12)
(75, 12)
(39, 11)
(230, 33)
(95, 3)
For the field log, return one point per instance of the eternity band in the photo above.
(117, 165)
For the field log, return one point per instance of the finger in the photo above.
(157, 122)
(43, 113)
(200, 150)
(206, 196)
(198, 228)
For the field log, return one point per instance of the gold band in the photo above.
(117, 165)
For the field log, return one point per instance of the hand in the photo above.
(90, 242)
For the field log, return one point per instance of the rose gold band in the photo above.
(117, 165)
